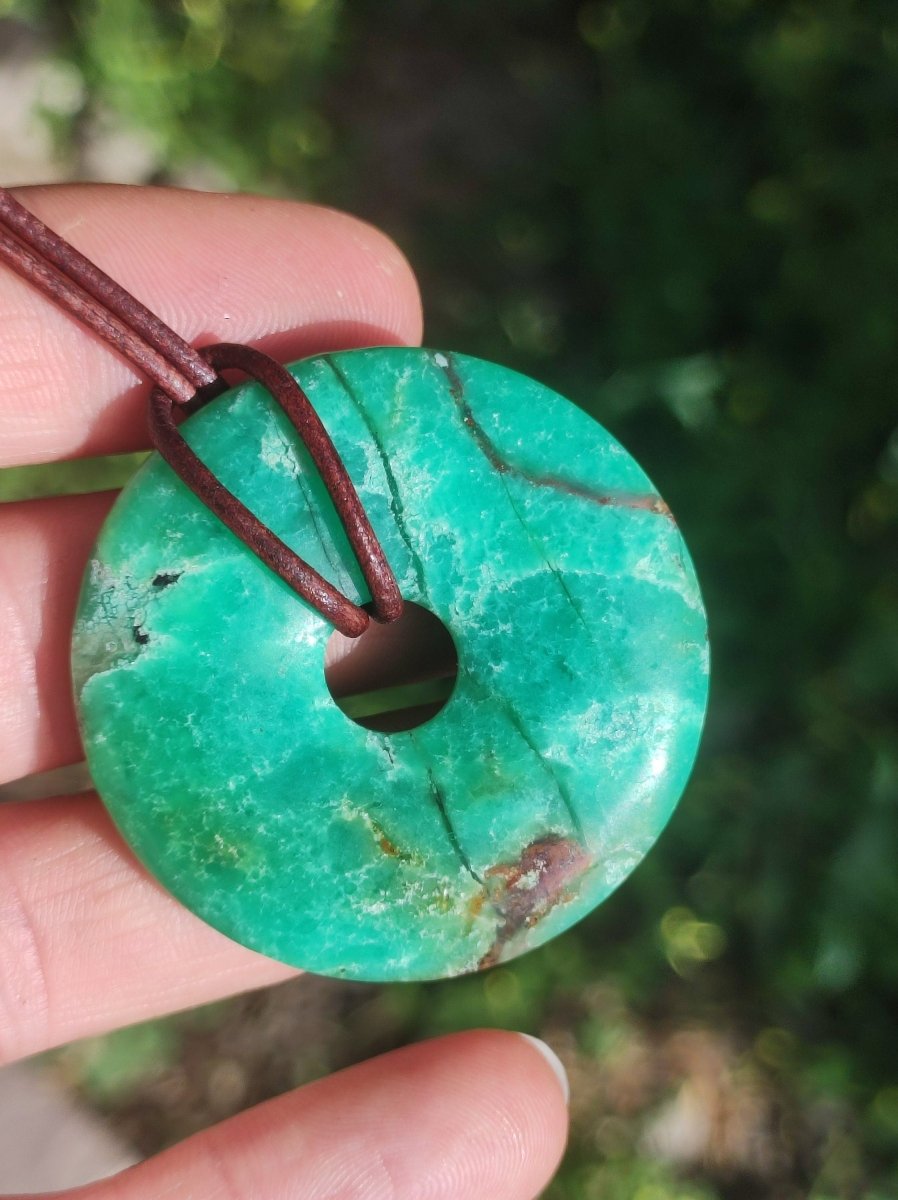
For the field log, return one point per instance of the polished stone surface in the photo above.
(568, 738)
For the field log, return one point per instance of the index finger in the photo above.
(292, 278)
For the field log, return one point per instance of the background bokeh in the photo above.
(684, 216)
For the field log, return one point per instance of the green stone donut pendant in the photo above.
(222, 756)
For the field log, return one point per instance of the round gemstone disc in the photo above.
(571, 730)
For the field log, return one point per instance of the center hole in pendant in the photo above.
(394, 677)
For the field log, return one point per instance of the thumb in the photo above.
(474, 1116)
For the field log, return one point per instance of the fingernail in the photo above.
(554, 1062)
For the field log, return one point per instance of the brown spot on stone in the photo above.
(525, 891)
(387, 846)
(385, 843)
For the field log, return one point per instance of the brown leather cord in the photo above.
(188, 378)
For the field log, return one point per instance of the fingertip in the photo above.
(388, 283)
(509, 1096)
(545, 1051)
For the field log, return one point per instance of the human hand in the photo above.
(88, 941)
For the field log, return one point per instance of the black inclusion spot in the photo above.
(139, 636)
(166, 578)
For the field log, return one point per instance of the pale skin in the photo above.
(88, 942)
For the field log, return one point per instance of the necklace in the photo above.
(523, 591)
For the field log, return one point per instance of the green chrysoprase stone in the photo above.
(583, 662)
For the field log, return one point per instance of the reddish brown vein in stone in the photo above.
(644, 501)
(525, 891)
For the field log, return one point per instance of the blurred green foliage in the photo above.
(683, 215)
